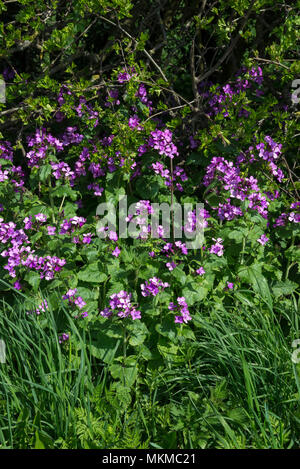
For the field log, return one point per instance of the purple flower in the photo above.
(121, 303)
(116, 252)
(134, 122)
(171, 265)
(87, 238)
(40, 309)
(17, 285)
(28, 223)
(63, 338)
(200, 271)
(153, 286)
(217, 248)
(96, 188)
(263, 239)
(72, 299)
(70, 294)
(51, 230)
(162, 141)
(182, 308)
(123, 77)
(113, 236)
(79, 302)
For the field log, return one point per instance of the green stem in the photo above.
(62, 203)
(290, 264)
(124, 343)
(172, 195)
(51, 201)
(243, 249)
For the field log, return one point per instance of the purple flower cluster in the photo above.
(19, 253)
(223, 96)
(98, 191)
(6, 150)
(74, 300)
(143, 208)
(239, 188)
(153, 286)
(133, 122)
(13, 174)
(196, 221)
(62, 170)
(182, 308)
(173, 249)
(142, 94)
(268, 151)
(63, 338)
(227, 211)
(121, 303)
(217, 248)
(40, 143)
(293, 217)
(112, 99)
(178, 175)
(40, 309)
(123, 77)
(161, 140)
(47, 266)
(69, 226)
(84, 108)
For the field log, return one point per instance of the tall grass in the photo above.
(240, 383)
(40, 386)
(236, 387)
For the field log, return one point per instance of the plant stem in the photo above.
(51, 201)
(172, 195)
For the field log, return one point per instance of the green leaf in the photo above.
(65, 190)
(252, 274)
(33, 278)
(284, 288)
(104, 347)
(45, 172)
(167, 329)
(126, 374)
(38, 442)
(93, 273)
(169, 350)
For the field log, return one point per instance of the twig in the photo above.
(136, 42)
(270, 62)
(231, 47)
